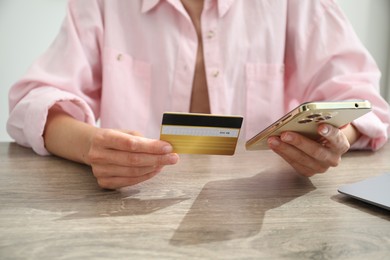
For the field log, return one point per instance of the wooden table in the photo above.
(251, 205)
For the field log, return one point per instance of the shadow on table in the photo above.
(117, 206)
(68, 190)
(105, 204)
(232, 209)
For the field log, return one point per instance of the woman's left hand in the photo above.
(309, 157)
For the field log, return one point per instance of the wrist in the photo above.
(351, 132)
(67, 137)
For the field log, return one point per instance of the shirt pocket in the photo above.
(126, 91)
(264, 96)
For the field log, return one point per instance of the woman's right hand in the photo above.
(120, 158)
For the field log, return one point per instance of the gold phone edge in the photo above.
(306, 106)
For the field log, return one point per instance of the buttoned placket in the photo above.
(213, 65)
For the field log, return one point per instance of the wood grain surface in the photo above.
(248, 206)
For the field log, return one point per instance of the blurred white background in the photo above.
(27, 28)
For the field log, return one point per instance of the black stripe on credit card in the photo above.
(188, 119)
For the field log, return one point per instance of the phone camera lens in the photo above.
(313, 116)
(305, 121)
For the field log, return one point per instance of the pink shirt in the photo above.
(126, 62)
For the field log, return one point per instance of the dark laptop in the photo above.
(375, 190)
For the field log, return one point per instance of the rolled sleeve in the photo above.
(374, 132)
(27, 121)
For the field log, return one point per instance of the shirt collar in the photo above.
(223, 6)
(148, 5)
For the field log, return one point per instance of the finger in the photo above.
(120, 182)
(320, 153)
(335, 138)
(117, 140)
(299, 160)
(105, 171)
(130, 159)
(130, 132)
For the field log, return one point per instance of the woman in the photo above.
(127, 62)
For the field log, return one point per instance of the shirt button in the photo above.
(210, 34)
(119, 57)
(216, 73)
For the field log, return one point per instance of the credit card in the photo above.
(193, 133)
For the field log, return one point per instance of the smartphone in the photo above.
(305, 119)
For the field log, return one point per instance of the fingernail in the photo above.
(173, 158)
(167, 149)
(324, 130)
(286, 138)
(273, 141)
